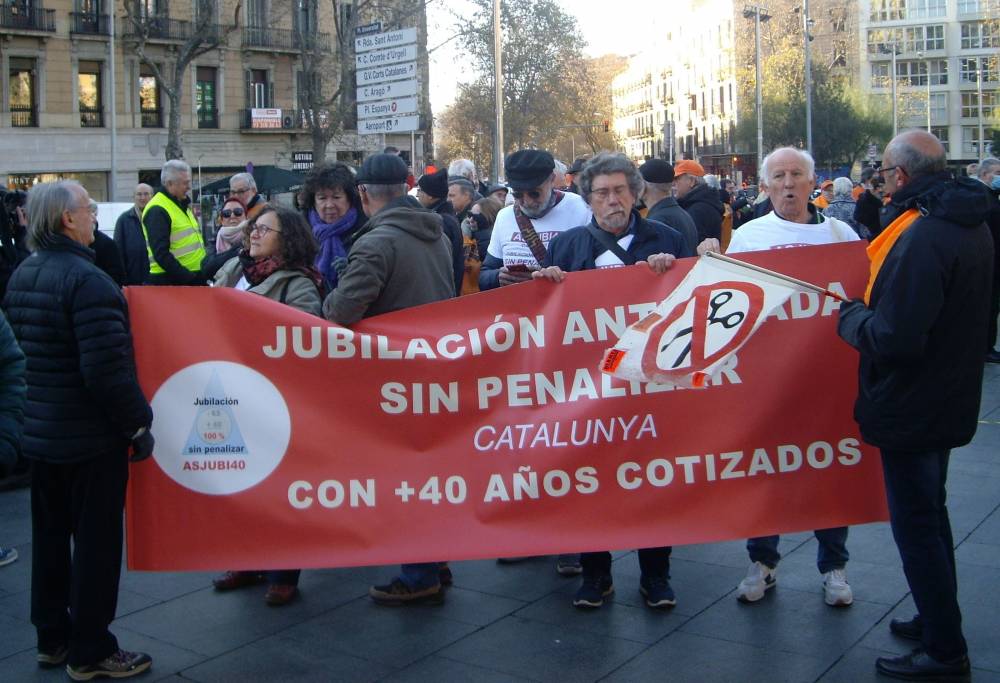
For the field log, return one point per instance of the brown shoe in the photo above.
(280, 594)
(232, 579)
(398, 593)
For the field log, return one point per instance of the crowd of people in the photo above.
(359, 243)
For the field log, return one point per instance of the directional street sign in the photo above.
(394, 124)
(386, 91)
(393, 72)
(403, 36)
(390, 55)
(405, 105)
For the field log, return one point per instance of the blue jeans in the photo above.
(830, 554)
(420, 575)
(915, 491)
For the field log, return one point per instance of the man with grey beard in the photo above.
(522, 231)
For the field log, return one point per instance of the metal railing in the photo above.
(267, 38)
(89, 23)
(152, 119)
(27, 18)
(23, 117)
(91, 118)
(157, 28)
(208, 118)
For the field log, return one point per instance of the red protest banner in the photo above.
(483, 427)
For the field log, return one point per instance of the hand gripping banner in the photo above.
(483, 427)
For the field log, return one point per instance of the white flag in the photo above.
(710, 315)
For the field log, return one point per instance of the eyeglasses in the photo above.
(882, 170)
(228, 213)
(262, 230)
(605, 192)
(233, 190)
(534, 194)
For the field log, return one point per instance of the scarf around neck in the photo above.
(330, 237)
(258, 270)
(229, 237)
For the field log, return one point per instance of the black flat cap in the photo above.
(383, 169)
(435, 184)
(496, 188)
(577, 165)
(657, 171)
(528, 168)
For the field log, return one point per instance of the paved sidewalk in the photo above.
(516, 623)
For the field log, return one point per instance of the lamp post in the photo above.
(883, 48)
(979, 101)
(498, 94)
(927, 66)
(807, 23)
(758, 15)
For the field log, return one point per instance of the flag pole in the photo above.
(780, 276)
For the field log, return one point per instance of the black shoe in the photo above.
(398, 593)
(444, 574)
(593, 591)
(912, 629)
(50, 659)
(993, 356)
(920, 666)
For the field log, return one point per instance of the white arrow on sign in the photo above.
(394, 124)
(404, 36)
(404, 105)
(386, 91)
(392, 72)
(391, 55)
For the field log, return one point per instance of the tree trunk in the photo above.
(174, 148)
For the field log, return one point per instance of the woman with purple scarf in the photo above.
(332, 206)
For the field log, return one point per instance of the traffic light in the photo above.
(607, 125)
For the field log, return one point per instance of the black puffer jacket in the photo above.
(72, 323)
(705, 208)
(11, 395)
(453, 231)
(922, 337)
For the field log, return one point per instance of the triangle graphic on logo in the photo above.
(215, 425)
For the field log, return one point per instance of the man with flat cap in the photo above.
(432, 193)
(401, 258)
(572, 173)
(522, 231)
(663, 208)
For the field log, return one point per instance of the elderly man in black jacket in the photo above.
(920, 332)
(663, 208)
(84, 409)
(130, 239)
(616, 236)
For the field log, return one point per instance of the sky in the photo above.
(604, 30)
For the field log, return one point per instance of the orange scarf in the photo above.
(883, 244)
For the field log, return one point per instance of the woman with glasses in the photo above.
(229, 236)
(276, 261)
(477, 228)
(332, 205)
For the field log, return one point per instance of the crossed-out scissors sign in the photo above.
(706, 319)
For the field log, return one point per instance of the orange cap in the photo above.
(688, 166)
(826, 184)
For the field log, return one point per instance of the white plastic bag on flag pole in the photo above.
(711, 314)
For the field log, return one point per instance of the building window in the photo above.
(260, 91)
(152, 8)
(839, 53)
(922, 9)
(915, 72)
(970, 105)
(941, 133)
(150, 106)
(970, 141)
(880, 74)
(22, 83)
(838, 19)
(939, 106)
(88, 85)
(969, 69)
(205, 97)
(893, 10)
(980, 34)
(972, 6)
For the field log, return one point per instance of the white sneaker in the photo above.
(836, 591)
(759, 578)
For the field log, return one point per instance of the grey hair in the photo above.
(987, 166)
(915, 162)
(713, 181)
(385, 192)
(46, 204)
(172, 170)
(804, 156)
(842, 186)
(560, 167)
(607, 163)
(245, 177)
(464, 185)
(463, 167)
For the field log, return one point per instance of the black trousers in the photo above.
(74, 588)
(915, 491)
(652, 562)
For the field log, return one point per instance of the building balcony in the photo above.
(277, 39)
(91, 118)
(89, 24)
(16, 18)
(272, 120)
(157, 28)
(208, 118)
(151, 118)
(23, 117)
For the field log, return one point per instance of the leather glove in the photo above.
(142, 446)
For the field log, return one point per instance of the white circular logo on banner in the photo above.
(220, 427)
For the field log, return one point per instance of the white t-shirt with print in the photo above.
(773, 232)
(508, 245)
